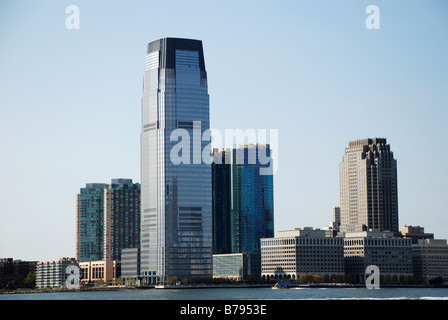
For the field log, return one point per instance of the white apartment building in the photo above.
(52, 274)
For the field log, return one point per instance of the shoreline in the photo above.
(196, 287)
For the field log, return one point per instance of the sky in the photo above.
(70, 101)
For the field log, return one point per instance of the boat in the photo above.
(280, 286)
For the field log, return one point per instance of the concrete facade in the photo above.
(304, 251)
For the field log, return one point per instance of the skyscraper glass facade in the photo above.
(243, 202)
(176, 202)
(221, 198)
(252, 208)
(90, 222)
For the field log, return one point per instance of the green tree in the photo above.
(99, 282)
(30, 280)
(11, 285)
(171, 280)
(436, 281)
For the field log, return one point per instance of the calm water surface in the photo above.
(242, 293)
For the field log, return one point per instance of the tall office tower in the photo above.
(368, 187)
(108, 220)
(221, 202)
(90, 222)
(176, 184)
(252, 202)
(121, 218)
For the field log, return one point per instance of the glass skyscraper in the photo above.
(243, 198)
(252, 213)
(90, 222)
(176, 205)
(221, 199)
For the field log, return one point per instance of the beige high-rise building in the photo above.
(368, 187)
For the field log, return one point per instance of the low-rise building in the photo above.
(305, 251)
(392, 255)
(13, 273)
(415, 233)
(130, 266)
(105, 272)
(231, 266)
(52, 274)
(430, 259)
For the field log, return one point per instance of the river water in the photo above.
(243, 294)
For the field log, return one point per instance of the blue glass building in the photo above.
(90, 222)
(248, 215)
(221, 203)
(176, 212)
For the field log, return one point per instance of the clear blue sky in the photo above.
(70, 101)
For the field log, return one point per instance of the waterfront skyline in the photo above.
(311, 70)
